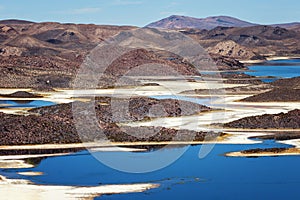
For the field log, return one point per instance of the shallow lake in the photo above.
(277, 69)
(25, 103)
(214, 177)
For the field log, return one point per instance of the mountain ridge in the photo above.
(209, 23)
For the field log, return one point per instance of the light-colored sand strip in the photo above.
(295, 143)
(114, 145)
(23, 189)
(164, 88)
(47, 146)
(268, 59)
(282, 58)
(116, 149)
(15, 111)
(251, 61)
(13, 90)
(288, 152)
(97, 146)
(50, 98)
(6, 181)
(267, 131)
(31, 173)
(19, 157)
(233, 111)
(14, 164)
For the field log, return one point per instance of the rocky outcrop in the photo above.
(285, 90)
(292, 83)
(240, 78)
(55, 125)
(231, 49)
(181, 22)
(279, 136)
(227, 63)
(270, 150)
(20, 94)
(283, 120)
(276, 95)
(263, 41)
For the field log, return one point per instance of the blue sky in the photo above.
(142, 12)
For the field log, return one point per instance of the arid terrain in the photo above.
(48, 55)
(224, 106)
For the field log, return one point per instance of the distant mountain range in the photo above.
(15, 21)
(46, 55)
(185, 22)
(209, 23)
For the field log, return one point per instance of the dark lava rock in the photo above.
(285, 90)
(278, 94)
(20, 94)
(227, 63)
(292, 83)
(240, 78)
(270, 150)
(279, 136)
(282, 120)
(55, 125)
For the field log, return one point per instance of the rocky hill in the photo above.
(253, 42)
(281, 120)
(182, 22)
(232, 49)
(47, 55)
(209, 23)
(284, 90)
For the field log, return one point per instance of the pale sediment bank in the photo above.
(163, 88)
(295, 151)
(287, 152)
(30, 173)
(295, 142)
(282, 58)
(252, 61)
(230, 138)
(26, 190)
(14, 164)
(12, 90)
(269, 59)
(18, 157)
(17, 161)
(105, 146)
(15, 111)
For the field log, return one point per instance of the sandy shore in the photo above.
(295, 151)
(14, 164)
(295, 142)
(30, 173)
(233, 110)
(269, 59)
(25, 190)
(288, 152)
